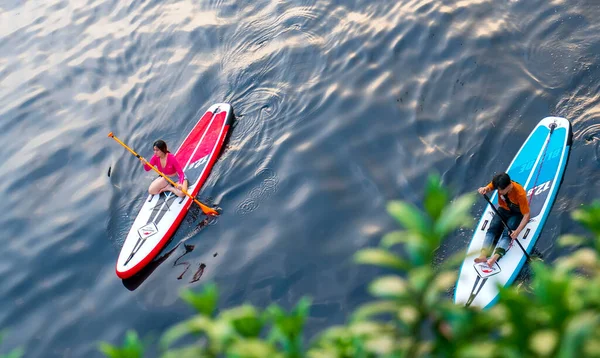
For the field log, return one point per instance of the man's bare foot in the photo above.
(482, 256)
(480, 259)
(493, 260)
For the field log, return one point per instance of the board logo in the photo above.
(199, 162)
(147, 230)
(484, 271)
(537, 190)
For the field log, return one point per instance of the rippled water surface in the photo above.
(341, 107)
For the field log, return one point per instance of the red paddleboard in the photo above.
(161, 214)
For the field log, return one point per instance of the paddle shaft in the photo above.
(207, 210)
(506, 225)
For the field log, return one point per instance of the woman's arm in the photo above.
(152, 161)
(178, 169)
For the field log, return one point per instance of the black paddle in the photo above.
(506, 225)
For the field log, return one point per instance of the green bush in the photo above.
(413, 315)
(15, 353)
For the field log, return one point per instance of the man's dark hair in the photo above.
(501, 181)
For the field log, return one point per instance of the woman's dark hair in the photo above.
(160, 144)
(501, 181)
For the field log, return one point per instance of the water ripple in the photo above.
(341, 106)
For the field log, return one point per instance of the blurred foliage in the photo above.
(413, 315)
(15, 353)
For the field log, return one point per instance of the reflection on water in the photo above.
(341, 107)
(134, 282)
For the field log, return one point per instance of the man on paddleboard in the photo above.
(514, 208)
(167, 164)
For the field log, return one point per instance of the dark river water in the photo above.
(341, 106)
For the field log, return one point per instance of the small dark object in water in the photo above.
(215, 254)
(109, 171)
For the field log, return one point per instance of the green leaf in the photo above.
(333, 333)
(371, 309)
(592, 347)
(381, 345)
(410, 217)
(245, 320)
(382, 258)
(302, 308)
(389, 287)
(132, 347)
(274, 313)
(290, 324)
(221, 335)
(132, 341)
(589, 216)
(579, 329)
(252, 348)
(328, 352)
(336, 342)
(420, 278)
(420, 252)
(15, 353)
(544, 342)
(445, 280)
(436, 197)
(368, 328)
(454, 261)
(551, 289)
(287, 328)
(108, 350)
(437, 288)
(191, 351)
(205, 302)
(456, 215)
(479, 350)
(395, 237)
(409, 314)
(194, 325)
(586, 259)
(571, 240)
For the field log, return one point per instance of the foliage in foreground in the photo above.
(412, 315)
(15, 353)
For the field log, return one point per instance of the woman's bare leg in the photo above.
(178, 192)
(158, 186)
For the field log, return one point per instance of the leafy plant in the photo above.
(132, 347)
(15, 353)
(412, 315)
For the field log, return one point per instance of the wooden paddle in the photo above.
(205, 209)
(506, 225)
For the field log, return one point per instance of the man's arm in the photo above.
(518, 230)
(486, 189)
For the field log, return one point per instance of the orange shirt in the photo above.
(518, 196)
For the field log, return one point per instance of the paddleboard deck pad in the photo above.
(538, 166)
(161, 214)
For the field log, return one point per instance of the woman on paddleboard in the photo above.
(167, 164)
(514, 208)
